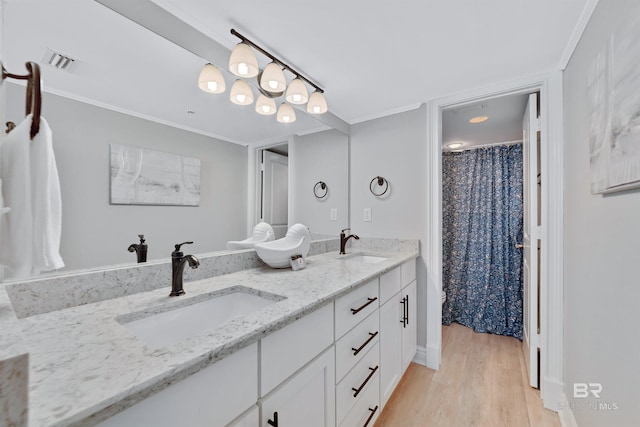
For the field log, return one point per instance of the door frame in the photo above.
(551, 275)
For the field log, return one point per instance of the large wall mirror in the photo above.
(130, 87)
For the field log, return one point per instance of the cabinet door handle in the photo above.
(359, 389)
(273, 422)
(404, 313)
(359, 349)
(363, 306)
(406, 307)
(373, 411)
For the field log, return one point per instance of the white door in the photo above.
(275, 191)
(409, 325)
(531, 239)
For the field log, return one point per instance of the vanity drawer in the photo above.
(354, 307)
(366, 410)
(390, 284)
(360, 378)
(352, 347)
(408, 272)
(284, 352)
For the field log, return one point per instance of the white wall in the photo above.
(322, 156)
(602, 255)
(393, 147)
(97, 233)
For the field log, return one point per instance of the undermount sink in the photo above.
(179, 323)
(368, 259)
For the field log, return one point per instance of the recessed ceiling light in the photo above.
(455, 145)
(479, 119)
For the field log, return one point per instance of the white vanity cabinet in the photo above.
(398, 328)
(357, 355)
(307, 399)
(214, 396)
(297, 366)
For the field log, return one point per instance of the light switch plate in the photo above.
(366, 214)
(334, 214)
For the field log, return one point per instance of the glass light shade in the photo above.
(243, 62)
(317, 103)
(241, 93)
(273, 78)
(265, 106)
(297, 92)
(211, 79)
(286, 113)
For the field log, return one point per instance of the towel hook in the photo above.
(317, 190)
(34, 95)
(381, 181)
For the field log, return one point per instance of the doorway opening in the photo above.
(272, 195)
(491, 218)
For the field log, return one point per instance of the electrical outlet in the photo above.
(367, 214)
(334, 214)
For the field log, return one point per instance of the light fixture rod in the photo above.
(273, 58)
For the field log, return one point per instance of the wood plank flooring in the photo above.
(482, 381)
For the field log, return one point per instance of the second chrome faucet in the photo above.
(178, 260)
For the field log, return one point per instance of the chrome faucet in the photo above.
(344, 239)
(140, 249)
(178, 259)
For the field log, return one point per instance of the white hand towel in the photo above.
(46, 202)
(31, 189)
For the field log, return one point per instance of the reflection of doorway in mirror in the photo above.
(274, 191)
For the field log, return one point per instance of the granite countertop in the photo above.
(86, 366)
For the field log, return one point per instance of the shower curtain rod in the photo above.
(473, 147)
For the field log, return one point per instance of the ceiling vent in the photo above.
(58, 60)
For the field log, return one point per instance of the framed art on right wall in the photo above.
(614, 107)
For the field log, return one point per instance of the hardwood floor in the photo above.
(482, 382)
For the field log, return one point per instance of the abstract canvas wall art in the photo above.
(614, 103)
(140, 176)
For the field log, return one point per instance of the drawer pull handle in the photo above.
(373, 411)
(359, 349)
(274, 422)
(359, 389)
(362, 307)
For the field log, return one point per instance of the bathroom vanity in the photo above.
(324, 345)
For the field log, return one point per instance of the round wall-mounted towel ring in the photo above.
(319, 188)
(381, 182)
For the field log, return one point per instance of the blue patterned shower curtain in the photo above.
(482, 222)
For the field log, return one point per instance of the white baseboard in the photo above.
(432, 357)
(553, 396)
(421, 356)
(565, 413)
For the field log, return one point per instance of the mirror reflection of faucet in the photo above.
(140, 249)
(344, 239)
(178, 259)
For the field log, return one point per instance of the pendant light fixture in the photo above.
(317, 103)
(271, 83)
(243, 62)
(211, 79)
(241, 93)
(286, 113)
(273, 79)
(265, 106)
(297, 92)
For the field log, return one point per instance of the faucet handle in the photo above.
(346, 229)
(180, 244)
(141, 236)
